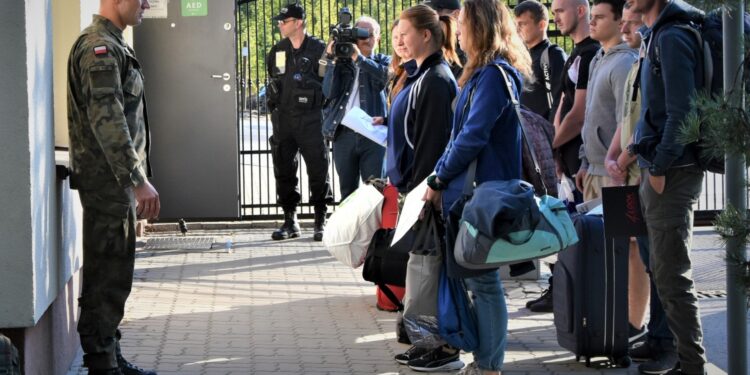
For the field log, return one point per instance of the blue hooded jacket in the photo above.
(668, 85)
(490, 132)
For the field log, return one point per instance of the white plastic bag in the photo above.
(565, 189)
(351, 227)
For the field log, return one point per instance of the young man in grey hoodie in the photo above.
(608, 73)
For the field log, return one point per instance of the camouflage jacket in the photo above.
(107, 122)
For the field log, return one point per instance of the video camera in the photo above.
(345, 36)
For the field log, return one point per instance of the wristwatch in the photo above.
(655, 170)
(434, 184)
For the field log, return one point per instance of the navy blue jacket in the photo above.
(337, 86)
(668, 84)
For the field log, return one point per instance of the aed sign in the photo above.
(194, 8)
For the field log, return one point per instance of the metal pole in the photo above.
(735, 193)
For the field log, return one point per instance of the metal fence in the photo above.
(256, 34)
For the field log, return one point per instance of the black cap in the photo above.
(291, 10)
(443, 4)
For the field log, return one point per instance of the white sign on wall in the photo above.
(158, 9)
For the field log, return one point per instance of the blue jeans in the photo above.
(356, 157)
(492, 315)
(659, 335)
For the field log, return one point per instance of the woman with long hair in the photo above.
(486, 129)
(419, 124)
(397, 71)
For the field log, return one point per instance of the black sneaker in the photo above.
(544, 303)
(676, 370)
(440, 359)
(127, 368)
(113, 371)
(636, 334)
(641, 351)
(412, 353)
(662, 363)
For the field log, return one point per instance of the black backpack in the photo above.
(10, 364)
(710, 37)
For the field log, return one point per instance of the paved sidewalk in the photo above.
(288, 307)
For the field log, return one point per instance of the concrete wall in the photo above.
(15, 222)
(39, 237)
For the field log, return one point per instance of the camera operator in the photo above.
(295, 99)
(357, 80)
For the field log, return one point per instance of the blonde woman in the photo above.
(487, 129)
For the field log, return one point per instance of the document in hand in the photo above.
(359, 121)
(409, 215)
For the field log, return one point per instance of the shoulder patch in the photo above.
(100, 50)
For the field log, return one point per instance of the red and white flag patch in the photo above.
(100, 50)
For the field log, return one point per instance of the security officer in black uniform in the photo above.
(295, 99)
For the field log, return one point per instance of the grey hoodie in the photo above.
(604, 100)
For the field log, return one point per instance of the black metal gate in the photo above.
(255, 36)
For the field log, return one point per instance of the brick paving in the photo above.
(288, 307)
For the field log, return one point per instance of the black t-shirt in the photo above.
(535, 95)
(577, 66)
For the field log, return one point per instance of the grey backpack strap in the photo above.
(517, 107)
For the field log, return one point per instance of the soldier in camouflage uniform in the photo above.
(109, 144)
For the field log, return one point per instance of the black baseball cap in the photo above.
(443, 4)
(291, 10)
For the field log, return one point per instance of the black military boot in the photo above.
(290, 228)
(127, 368)
(320, 226)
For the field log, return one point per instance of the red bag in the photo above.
(390, 207)
(384, 303)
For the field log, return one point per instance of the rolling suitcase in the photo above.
(590, 300)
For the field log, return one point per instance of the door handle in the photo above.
(224, 76)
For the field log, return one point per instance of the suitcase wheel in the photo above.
(624, 362)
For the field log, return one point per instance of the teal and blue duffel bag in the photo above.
(504, 223)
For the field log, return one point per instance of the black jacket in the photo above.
(428, 93)
(296, 88)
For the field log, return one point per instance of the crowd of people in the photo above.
(615, 103)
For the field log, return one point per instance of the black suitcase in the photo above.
(590, 297)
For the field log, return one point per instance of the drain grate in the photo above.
(179, 243)
(712, 294)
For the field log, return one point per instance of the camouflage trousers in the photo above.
(108, 262)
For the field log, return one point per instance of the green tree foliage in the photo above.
(258, 33)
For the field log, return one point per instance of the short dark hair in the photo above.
(616, 6)
(538, 10)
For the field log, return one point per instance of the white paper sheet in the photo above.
(409, 215)
(359, 121)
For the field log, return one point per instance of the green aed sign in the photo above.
(194, 8)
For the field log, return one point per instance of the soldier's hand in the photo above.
(147, 201)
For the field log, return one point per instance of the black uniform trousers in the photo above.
(295, 134)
